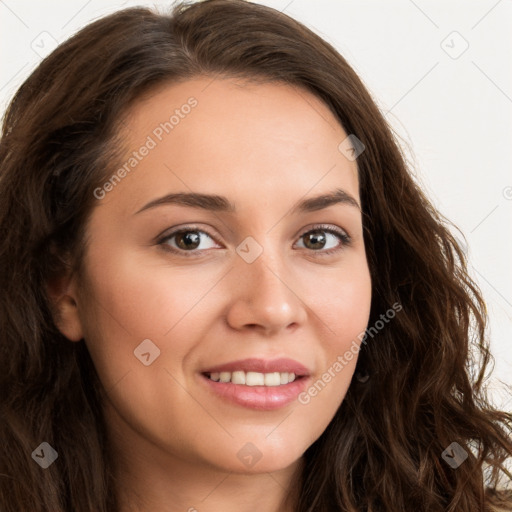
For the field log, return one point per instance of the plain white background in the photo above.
(439, 71)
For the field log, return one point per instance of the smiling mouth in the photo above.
(272, 379)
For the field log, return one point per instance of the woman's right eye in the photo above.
(185, 241)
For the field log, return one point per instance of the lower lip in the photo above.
(263, 398)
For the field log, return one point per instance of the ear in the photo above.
(63, 297)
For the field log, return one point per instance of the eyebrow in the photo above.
(216, 203)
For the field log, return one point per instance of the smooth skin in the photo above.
(265, 147)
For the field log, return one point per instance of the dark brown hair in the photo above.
(60, 140)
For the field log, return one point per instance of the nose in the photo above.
(265, 297)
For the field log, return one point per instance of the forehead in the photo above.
(218, 135)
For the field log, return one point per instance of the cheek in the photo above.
(342, 303)
(141, 301)
(342, 309)
(134, 301)
(127, 305)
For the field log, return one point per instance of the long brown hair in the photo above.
(383, 449)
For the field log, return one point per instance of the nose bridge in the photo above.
(262, 293)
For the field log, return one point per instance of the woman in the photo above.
(316, 355)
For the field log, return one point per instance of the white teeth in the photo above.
(254, 378)
(238, 378)
(273, 379)
(225, 376)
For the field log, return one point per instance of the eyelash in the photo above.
(342, 235)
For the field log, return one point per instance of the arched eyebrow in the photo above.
(216, 203)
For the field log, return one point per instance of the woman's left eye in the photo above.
(318, 236)
(186, 241)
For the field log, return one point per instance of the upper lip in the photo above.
(261, 366)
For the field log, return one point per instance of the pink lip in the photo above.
(261, 366)
(264, 398)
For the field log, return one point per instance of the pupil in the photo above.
(189, 239)
(317, 237)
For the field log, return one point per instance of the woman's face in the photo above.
(252, 282)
